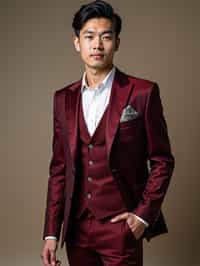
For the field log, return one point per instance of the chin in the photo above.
(100, 65)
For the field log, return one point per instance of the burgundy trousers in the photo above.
(103, 243)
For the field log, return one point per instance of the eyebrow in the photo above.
(103, 32)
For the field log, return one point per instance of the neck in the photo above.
(95, 76)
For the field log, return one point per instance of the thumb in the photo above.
(53, 258)
(120, 217)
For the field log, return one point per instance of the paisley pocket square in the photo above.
(128, 113)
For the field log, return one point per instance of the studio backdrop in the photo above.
(160, 41)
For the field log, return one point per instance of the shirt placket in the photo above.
(92, 114)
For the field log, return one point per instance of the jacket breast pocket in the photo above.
(130, 125)
(130, 131)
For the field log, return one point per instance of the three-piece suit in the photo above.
(126, 165)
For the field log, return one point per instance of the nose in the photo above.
(98, 44)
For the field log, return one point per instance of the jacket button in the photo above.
(91, 162)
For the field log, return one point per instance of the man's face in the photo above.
(97, 43)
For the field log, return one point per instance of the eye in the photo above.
(107, 37)
(88, 37)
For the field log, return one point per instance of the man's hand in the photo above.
(137, 227)
(49, 252)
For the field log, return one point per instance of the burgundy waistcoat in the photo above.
(98, 190)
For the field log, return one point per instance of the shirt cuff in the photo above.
(50, 237)
(141, 220)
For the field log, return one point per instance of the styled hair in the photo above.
(96, 9)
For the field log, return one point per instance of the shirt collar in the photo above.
(106, 82)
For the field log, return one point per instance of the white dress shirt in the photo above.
(94, 103)
(95, 100)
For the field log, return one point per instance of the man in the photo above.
(107, 126)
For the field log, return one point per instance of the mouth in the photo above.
(97, 56)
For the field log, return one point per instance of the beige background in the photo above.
(159, 41)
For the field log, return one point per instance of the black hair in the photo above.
(96, 9)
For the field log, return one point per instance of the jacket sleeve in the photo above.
(160, 158)
(56, 182)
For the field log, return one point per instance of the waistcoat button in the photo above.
(89, 178)
(90, 146)
(89, 195)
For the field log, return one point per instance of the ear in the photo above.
(117, 44)
(76, 43)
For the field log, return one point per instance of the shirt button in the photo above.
(89, 195)
(90, 146)
(91, 162)
(89, 178)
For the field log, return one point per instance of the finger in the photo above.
(120, 217)
(58, 263)
(53, 258)
(46, 257)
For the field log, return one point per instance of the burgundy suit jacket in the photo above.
(130, 145)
